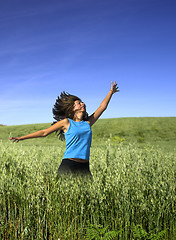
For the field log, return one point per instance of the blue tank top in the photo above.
(78, 140)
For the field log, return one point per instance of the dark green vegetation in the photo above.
(132, 195)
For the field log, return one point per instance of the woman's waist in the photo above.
(77, 160)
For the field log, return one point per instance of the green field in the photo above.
(132, 195)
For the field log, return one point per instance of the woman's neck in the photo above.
(78, 117)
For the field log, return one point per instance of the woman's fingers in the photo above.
(15, 139)
(115, 87)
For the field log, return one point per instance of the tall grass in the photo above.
(130, 187)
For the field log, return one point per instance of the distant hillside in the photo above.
(126, 130)
(147, 128)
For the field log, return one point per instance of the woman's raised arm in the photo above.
(94, 117)
(60, 125)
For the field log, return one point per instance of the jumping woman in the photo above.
(74, 124)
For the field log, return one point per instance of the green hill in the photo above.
(143, 130)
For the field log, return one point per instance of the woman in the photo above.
(74, 123)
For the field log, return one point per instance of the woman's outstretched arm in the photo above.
(94, 117)
(60, 125)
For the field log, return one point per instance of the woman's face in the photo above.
(79, 106)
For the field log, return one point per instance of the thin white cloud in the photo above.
(7, 104)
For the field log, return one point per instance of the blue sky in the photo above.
(80, 46)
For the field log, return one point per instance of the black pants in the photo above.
(70, 166)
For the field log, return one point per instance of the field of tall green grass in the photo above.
(132, 194)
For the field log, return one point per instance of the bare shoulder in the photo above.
(62, 124)
(65, 124)
(65, 121)
(88, 122)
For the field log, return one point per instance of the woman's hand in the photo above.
(15, 139)
(114, 87)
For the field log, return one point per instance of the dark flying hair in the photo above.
(63, 108)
